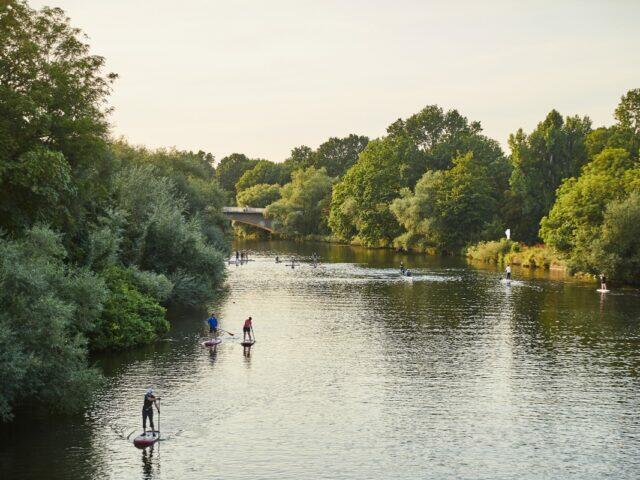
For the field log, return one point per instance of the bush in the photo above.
(493, 251)
(46, 309)
(130, 317)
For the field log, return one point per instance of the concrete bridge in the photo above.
(250, 216)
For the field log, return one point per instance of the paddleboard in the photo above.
(146, 439)
(602, 291)
(247, 344)
(211, 342)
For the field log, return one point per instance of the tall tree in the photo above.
(555, 150)
(54, 164)
(230, 169)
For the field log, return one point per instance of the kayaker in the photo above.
(147, 411)
(508, 272)
(603, 282)
(247, 329)
(213, 325)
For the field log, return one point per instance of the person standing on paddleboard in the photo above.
(603, 282)
(147, 411)
(213, 325)
(247, 329)
(508, 272)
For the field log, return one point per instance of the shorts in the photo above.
(213, 329)
(246, 329)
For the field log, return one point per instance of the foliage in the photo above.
(493, 251)
(46, 310)
(259, 196)
(575, 222)
(449, 208)
(130, 316)
(555, 150)
(264, 172)
(230, 169)
(52, 121)
(360, 202)
(336, 155)
(304, 203)
(617, 250)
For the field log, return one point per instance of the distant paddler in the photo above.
(402, 269)
(603, 283)
(507, 272)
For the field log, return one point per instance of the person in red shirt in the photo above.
(247, 329)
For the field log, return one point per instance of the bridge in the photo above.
(249, 216)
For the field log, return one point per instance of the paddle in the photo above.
(226, 332)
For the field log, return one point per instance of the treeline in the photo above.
(434, 182)
(97, 237)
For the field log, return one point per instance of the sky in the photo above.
(261, 77)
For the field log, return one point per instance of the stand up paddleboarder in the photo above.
(147, 411)
(247, 330)
(213, 325)
(603, 282)
(507, 272)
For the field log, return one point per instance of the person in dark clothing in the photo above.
(147, 410)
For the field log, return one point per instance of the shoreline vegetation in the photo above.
(98, 238)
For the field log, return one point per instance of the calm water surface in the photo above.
(359, 374)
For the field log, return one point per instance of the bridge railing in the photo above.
(242, 210)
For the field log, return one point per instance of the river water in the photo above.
(360, 374)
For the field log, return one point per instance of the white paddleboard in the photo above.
(602, 290)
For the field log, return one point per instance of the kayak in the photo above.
(247, 344)
(212, 342)
(146, 439)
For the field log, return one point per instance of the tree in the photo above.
(555, 150)
(617, 250)
(304, 205)
(449, 208)
(264, 172)
(259, 196)
(230, 169)
(53, 121)
(574, 224)
(337, 155)
(360, 203)
(47, 309)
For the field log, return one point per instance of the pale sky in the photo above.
(261, 77)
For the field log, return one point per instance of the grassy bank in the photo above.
(508, 251)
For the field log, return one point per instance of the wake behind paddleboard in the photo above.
(212, 342)
(146, 439)
(603, 290)
(247, 344)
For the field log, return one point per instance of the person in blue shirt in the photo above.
(213, 325)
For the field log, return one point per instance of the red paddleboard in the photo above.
(146, 439)
(212, 342)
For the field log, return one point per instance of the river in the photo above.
(360, 374)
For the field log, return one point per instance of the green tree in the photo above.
(304, 205)
(555, 150)
(264, 172)
(574, 224)
(46, 311)
(230, 169)
(259, 196)
(449, 208)
(360, 202)
(52, 121)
